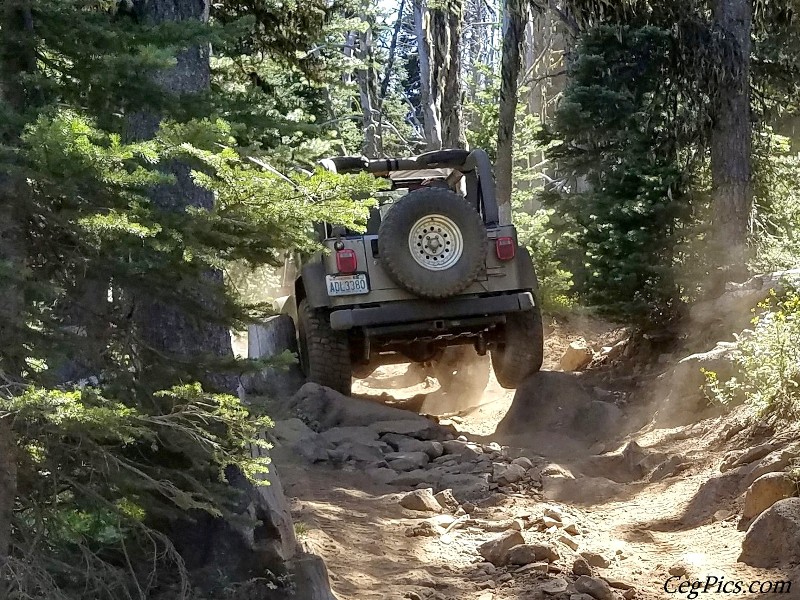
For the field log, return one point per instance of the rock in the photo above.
(721, 515)
(496, 549)
(580, 597)
(568, 541)
(678, 570)
(486, 596)
(548, 522)
(772, 463)
(554, 586)
(597, 421)
(682, 387)
(466, 487)
(772, 540)
(504, 577)
(310, 578)
(407, 461)
(339, 435)
(596, 559)
(291, 431)
(546, 401)
(403, 443)
(596, 588)
(617, 583)
(506, 474)
(766, 491)
(555, 470)
(753, 454)
(446, 500)
(424, 529)
(267, 339)
(537, 567)
(323, 408)
(581, 567)
(421, 428)
(571, 528)
(381, 475)
(360, 452)
(553, 513)
(576, 357)
(672, 466)
(421, 500)
(523, 462)
(524, 554)
(629, 594)
(462, 449)
(433, 449)
(414, 478)
(517, 525)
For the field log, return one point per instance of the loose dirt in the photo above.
(359, 529)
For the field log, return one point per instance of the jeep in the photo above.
(435, 274)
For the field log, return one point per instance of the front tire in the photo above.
(324, 352)
(520, 351)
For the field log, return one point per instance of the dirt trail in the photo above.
(359, 529)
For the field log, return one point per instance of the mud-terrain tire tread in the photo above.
(325, 352)
(401, 266)
(523, 350)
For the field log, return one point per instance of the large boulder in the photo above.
(546, 401)
(766, 491)
(773, 540)
(323, 408)
(496, 549)
(577, 356)
(682, 387)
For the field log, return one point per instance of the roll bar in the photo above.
(465, 161)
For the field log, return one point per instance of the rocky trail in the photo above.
(572, 488)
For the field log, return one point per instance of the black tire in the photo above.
(520, 351)
(324, 352)
(397, 258)
(461, 370)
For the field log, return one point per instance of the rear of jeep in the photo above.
(435, 273)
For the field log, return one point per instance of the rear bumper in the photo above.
(414, 311)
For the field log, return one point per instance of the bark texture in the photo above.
(438, 40)
(731, 173)
(368, 94)
(166, 328)
(17, 57)
(514, 21)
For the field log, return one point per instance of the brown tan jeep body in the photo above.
(434, 276)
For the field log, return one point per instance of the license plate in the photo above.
(347, 285)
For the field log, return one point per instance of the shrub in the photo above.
(768, 361)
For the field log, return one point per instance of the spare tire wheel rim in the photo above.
(435, 242)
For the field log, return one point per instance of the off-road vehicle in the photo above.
(435, 274)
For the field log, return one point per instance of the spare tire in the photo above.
(433, 243)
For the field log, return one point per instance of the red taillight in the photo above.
(505, 248)
(346, 261)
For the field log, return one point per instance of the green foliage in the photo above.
(96, 230)
(621, 191)
(93, 473)
(776, 219)
(768, 360)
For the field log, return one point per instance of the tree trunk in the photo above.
(368, 93)
(514, 20)
(732, 193)
(169, 329)
(17, 59)
(453, 135)
(431, 118)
